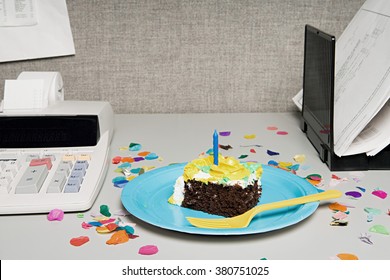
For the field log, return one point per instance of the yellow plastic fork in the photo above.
(243, 220)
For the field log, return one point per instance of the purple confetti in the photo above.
(138, 159)
(354, 194)
(224, 133)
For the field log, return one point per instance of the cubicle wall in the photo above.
(189, 56)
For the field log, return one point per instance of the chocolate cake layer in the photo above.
(227, 201)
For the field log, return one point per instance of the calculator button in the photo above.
(41, 161)
(72, 186)
(32, 179)
(57, 183)
(5, 186)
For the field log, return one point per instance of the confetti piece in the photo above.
(129, 229)
(250, 136)
(129, 178)
(253, 151)
(118, 179)
(282, 133)
(121, 212)
(339, 223)
(347, 256)
(95, 224)
(143, 154)
(272, 128)
(379, 229)
(151, 156)
(353, 194)
(116, 160)
(55, 215)
(127, 159)
(362, 189)
(107, 221)
(224, 133)
(225, 147)
(118, 237)
(80, 215)
(85, 225)
(366, 239)
(121, 184)
(78, 241)
(148, 250)
(299, 158)
(123, 148)
(242, 156)
(335, 206)
(372, 211)
(125, 165)
(272, 153)
(137, 159)
(339, 215)
(380, 194)
(135, 147)
(107, 228)
(135, 170)
(104, 210)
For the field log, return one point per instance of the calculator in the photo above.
(54, 158)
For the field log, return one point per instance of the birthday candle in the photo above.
(215, 147)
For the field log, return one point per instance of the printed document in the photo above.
(362, 82)
(31, 29)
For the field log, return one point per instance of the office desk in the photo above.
(180, 138)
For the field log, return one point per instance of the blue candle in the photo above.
(215, 147)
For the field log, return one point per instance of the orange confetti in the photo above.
(78, 241)
(143, 154)
(127, 159)
(347, 256)
(335, 206)
(118, 237)
(107, 228)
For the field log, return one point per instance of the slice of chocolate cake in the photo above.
(227, 189)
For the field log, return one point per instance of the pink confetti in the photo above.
(85, 225)
(272, 128)
(380, 194)
(55, 215)
(148, 250)
(282, 132)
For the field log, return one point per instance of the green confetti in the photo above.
(379, 229)
(104, 210)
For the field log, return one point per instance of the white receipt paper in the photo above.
(24, 95)
(37, 29)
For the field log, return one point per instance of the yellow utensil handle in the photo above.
(296, 201)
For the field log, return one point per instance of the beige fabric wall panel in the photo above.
(189, 56)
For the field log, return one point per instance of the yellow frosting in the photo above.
(228, 169)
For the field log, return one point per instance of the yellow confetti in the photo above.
(299, 158)
(131, 177)
(123, 148)
(250, 136)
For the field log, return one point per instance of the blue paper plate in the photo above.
(146, 197)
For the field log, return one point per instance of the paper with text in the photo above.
(18, 13)
(51, 36)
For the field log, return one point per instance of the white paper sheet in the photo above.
(18, 13)
(362, 83)
(50, 37)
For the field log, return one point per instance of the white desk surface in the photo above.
(180, 138)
